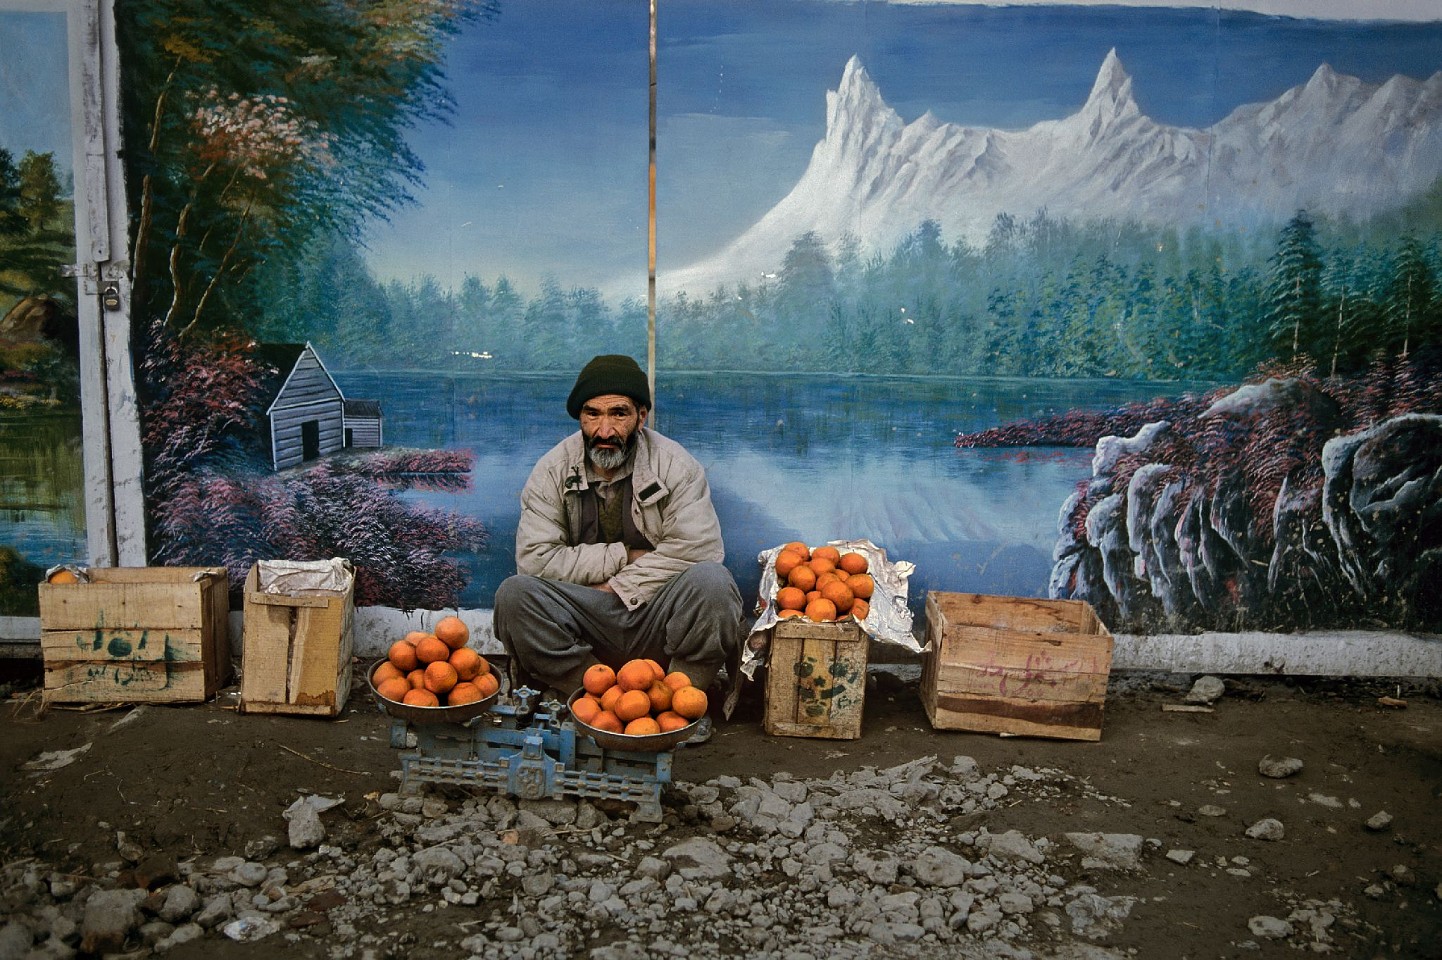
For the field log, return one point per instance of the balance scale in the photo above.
(530, 750)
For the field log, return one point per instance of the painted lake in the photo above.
(790, 457)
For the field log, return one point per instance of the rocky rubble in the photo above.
(905, 861)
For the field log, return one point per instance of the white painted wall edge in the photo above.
(1344, 653)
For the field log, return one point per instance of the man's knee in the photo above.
(713, 582)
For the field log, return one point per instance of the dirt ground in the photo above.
(204, 780)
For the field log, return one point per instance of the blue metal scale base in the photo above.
(530, 751)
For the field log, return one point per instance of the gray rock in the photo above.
(1206, 690)
(1011, 845)
(1272, 928)
(698, 858)
(216, 910)
(15, 941)
(1279, 767)
(179, 903)
(305, 829)
(1268, 828)
(110, 916)
(939, 867)
(1380, 820)
(1211, 810)
(1182, 857)
(1117, 850)
(184, 933)
(437, 866)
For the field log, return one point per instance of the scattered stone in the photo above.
(110, 916)
(1272, 928)
(1182, 857)
(1380, 820)
(1279, 768)
(1322, 800)
(1205, 690)
(1211, 810)
(1120, 851)
(1268, 828)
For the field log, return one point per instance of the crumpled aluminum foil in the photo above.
(888, 621)
(288, 577)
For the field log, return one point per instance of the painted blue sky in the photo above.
(34, 85)
(543, 170)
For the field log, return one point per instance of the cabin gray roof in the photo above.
(362, 408)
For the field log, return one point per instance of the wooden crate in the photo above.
(1015, 665)
(136, 634)
(297, 650)
(815, 680)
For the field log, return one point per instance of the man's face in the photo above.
(609, 425)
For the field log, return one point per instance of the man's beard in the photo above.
(610, 458)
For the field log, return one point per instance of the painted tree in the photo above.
(1294, 289)
(1409, 301)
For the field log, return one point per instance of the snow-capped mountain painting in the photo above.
(1335, 146)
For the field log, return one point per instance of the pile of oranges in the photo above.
(435, 669)
(822, 584)
(639, 699)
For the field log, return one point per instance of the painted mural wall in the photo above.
(1133, 304)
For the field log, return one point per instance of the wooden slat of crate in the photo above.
(136, 634)
(1015, 665)
(816, 680)
(297, 653)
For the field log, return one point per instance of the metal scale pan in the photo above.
(648, 743)
(407, 711)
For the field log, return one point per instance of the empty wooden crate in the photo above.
(136, 634)
(297, 651)
(1015, 665)
(815, 680)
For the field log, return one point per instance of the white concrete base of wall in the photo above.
(1335, 653)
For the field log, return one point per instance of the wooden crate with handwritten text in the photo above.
(1015, 665)
(136, 635)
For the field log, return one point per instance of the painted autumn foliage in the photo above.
(252, 128)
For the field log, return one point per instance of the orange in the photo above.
(415, 637)
(820, 564)
(786, 561)
(394, 688)
(63, 576)
(829, 576)
(689, 702)
(660, 696)
(634, 675)
(440, 677)
(821, 610)
(453, 632)
(788, 614)
(812, 595)
(421, 698)
(840, 596)
(790, 598)
(852, 563)
(676, 680)
(641, 727)
(861, 585)
(464, 692)
(487, 684)
(598, 678)
(797, 547)
(859, 609)
(386, 671)
(468, 663)
(658, 672)
(801, 577)
(826, 553)
(609, 698)
(403, 654)
(632, 704)
(670, 720)
(416, 678)
(606, 720)
(429, 650)
(585, 709)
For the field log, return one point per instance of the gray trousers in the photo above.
(554, 630)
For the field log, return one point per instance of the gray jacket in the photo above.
(671, 507)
